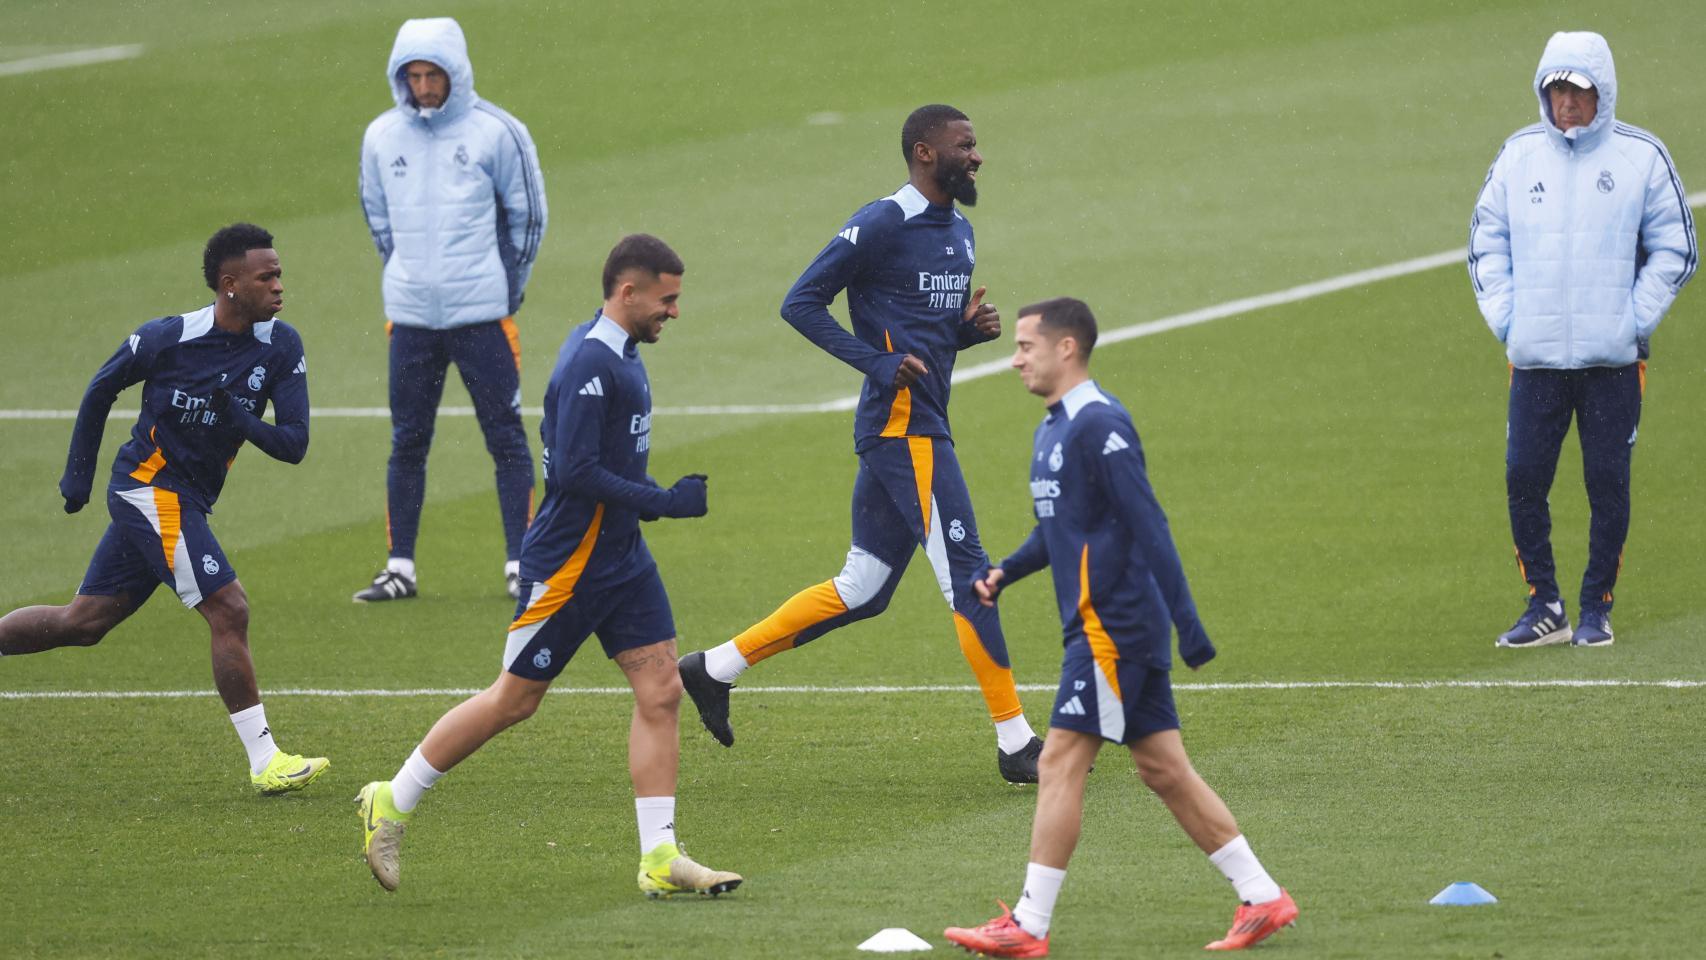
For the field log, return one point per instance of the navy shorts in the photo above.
(551, 622)
(1116, 699)
(155, 539)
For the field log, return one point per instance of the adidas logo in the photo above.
(1115, 444)
(301, 366)
(399, 162)
(1073, 707)
(135, 341)
(1537, 188)
(851, 235)
(593, 388)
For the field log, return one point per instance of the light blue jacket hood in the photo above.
(437, 40)
(1580, 241)
(453, 196)
(1588, 54)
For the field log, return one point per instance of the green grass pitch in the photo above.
(1332, 468)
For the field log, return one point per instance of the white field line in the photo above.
(1280, 685)
(70, 58)
(1219, 311)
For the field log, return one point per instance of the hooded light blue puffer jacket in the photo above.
(453, 196)
(1580, 241)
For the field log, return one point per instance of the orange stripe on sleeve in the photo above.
(1101, 645)
(561, 585)
(171, 524)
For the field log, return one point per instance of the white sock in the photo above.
(1036, 903)
(724, 662)
(1242, 868)
(252, 729)
(401, 565)
(413, 780)
(656, 816)
(513, 566)
(1013, 735)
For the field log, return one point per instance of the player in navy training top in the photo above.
(1121, 591)
(905, 262)
(207, 378)
(585, 569)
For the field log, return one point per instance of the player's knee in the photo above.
(514, 707)
(661, 697)
(863, 583)
(227, 611)
(1163, 776)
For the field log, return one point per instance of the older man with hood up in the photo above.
(1580, 241)
(451, 187)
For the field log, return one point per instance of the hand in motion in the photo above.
(982, 315)
(911, 368)
(688, 497)
(989, 587)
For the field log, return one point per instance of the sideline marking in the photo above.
(870, 689)
(1219, 311)
(70, 58)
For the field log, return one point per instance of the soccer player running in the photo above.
(207, 377)
(585, 569)
(1121, 590)
(906, 263)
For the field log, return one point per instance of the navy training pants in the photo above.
(488, 358)
(1606, 405)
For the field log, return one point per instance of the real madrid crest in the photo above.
(1606, 184)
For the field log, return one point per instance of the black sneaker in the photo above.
(387, 585)
(711, 696)
(1021, 765)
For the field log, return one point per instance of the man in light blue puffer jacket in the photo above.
(451, 187)
(1580, 241)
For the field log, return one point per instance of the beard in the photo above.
(957, 183)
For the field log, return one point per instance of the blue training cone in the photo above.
(1463, 894)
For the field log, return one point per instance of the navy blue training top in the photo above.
(1117, 575)
(178, 442)
(597, 437)
(906, 266)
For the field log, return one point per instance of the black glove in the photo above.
(687, 497)
(220, 402)
(72, 504)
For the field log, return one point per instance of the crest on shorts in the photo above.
(1605, 183)
(542, 659)
(956, 531)
(209, 565)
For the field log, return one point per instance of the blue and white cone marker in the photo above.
(894, 940)
(1463, 894)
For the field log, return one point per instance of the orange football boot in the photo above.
(1254, 923)
(1001, 937)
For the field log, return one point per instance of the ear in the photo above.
(923, 154)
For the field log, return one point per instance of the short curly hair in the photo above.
(923, 123)
(231, 243)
